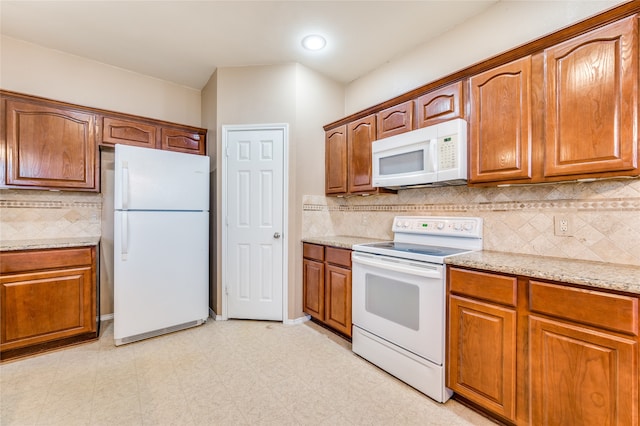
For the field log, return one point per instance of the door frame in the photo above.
(226, 130)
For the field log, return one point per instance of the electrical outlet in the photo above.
(562, 226)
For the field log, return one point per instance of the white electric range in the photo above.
(398, 297)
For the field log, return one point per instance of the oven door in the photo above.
(401, 301)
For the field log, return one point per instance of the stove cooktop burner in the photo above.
(428, 238)
(393, 248)
(418, 248)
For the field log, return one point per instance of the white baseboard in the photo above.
(215, 316)
(297, 321)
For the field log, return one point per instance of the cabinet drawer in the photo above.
(481, 285)
(20, 261)
(338, 256)
(610, 311)
(313, 251)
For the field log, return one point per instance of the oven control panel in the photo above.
(436, 225)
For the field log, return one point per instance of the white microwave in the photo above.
(431, 156)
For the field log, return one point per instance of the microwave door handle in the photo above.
(433, 154)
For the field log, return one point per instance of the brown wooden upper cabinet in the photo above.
(348, 158)
(565, 109)
(500, 123)
(128, 132)
(46, 144)
(568, 112)
(49, 145)
(183, 140)
(395, 120)
(150, 134)
(440, 105)
(360, 135)
(336, 161)
(592, 102)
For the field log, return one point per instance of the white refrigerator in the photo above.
(161, 242)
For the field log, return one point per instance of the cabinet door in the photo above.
(360, 136)
(313, 288)
(338, 298)
(50, 146)
(336, 161)
(482, 361)
(440, 105)
(43, 306)
(592, 102)
(128, 132)
(395, 120)
(187, 141)
(580, 376)
(500, 123)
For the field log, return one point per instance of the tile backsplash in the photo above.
(604, 216)
(32, 214)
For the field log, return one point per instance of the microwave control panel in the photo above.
(447, 152)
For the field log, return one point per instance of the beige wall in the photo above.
(292, 94)
(35, 70)
(209, 121)
(501, 27)
(319, 101)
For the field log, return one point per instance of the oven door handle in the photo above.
(412, 268)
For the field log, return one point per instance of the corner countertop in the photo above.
(13, 245)
(609, 276)
(340, 241)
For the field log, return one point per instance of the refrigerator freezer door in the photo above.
(152, 179)
(161, 273)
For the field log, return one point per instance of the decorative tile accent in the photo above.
(29, 214)
(615, 205)
(605, 216)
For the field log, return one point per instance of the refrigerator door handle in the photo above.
(124, 235)
(125, 185)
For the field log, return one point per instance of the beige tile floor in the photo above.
(221, 373)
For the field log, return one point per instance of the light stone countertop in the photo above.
(13, 245)
(609, 276)
(340, 241)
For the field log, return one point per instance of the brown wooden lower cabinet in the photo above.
(482, 340)
(327, 286)
(484, 347)
(529, 352)
(581, 376)
(47, 299)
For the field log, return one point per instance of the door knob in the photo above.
(276, 235)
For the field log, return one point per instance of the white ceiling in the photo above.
(185, 41)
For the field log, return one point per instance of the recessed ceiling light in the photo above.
(314, 42)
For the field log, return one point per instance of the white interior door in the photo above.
(254, 243)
